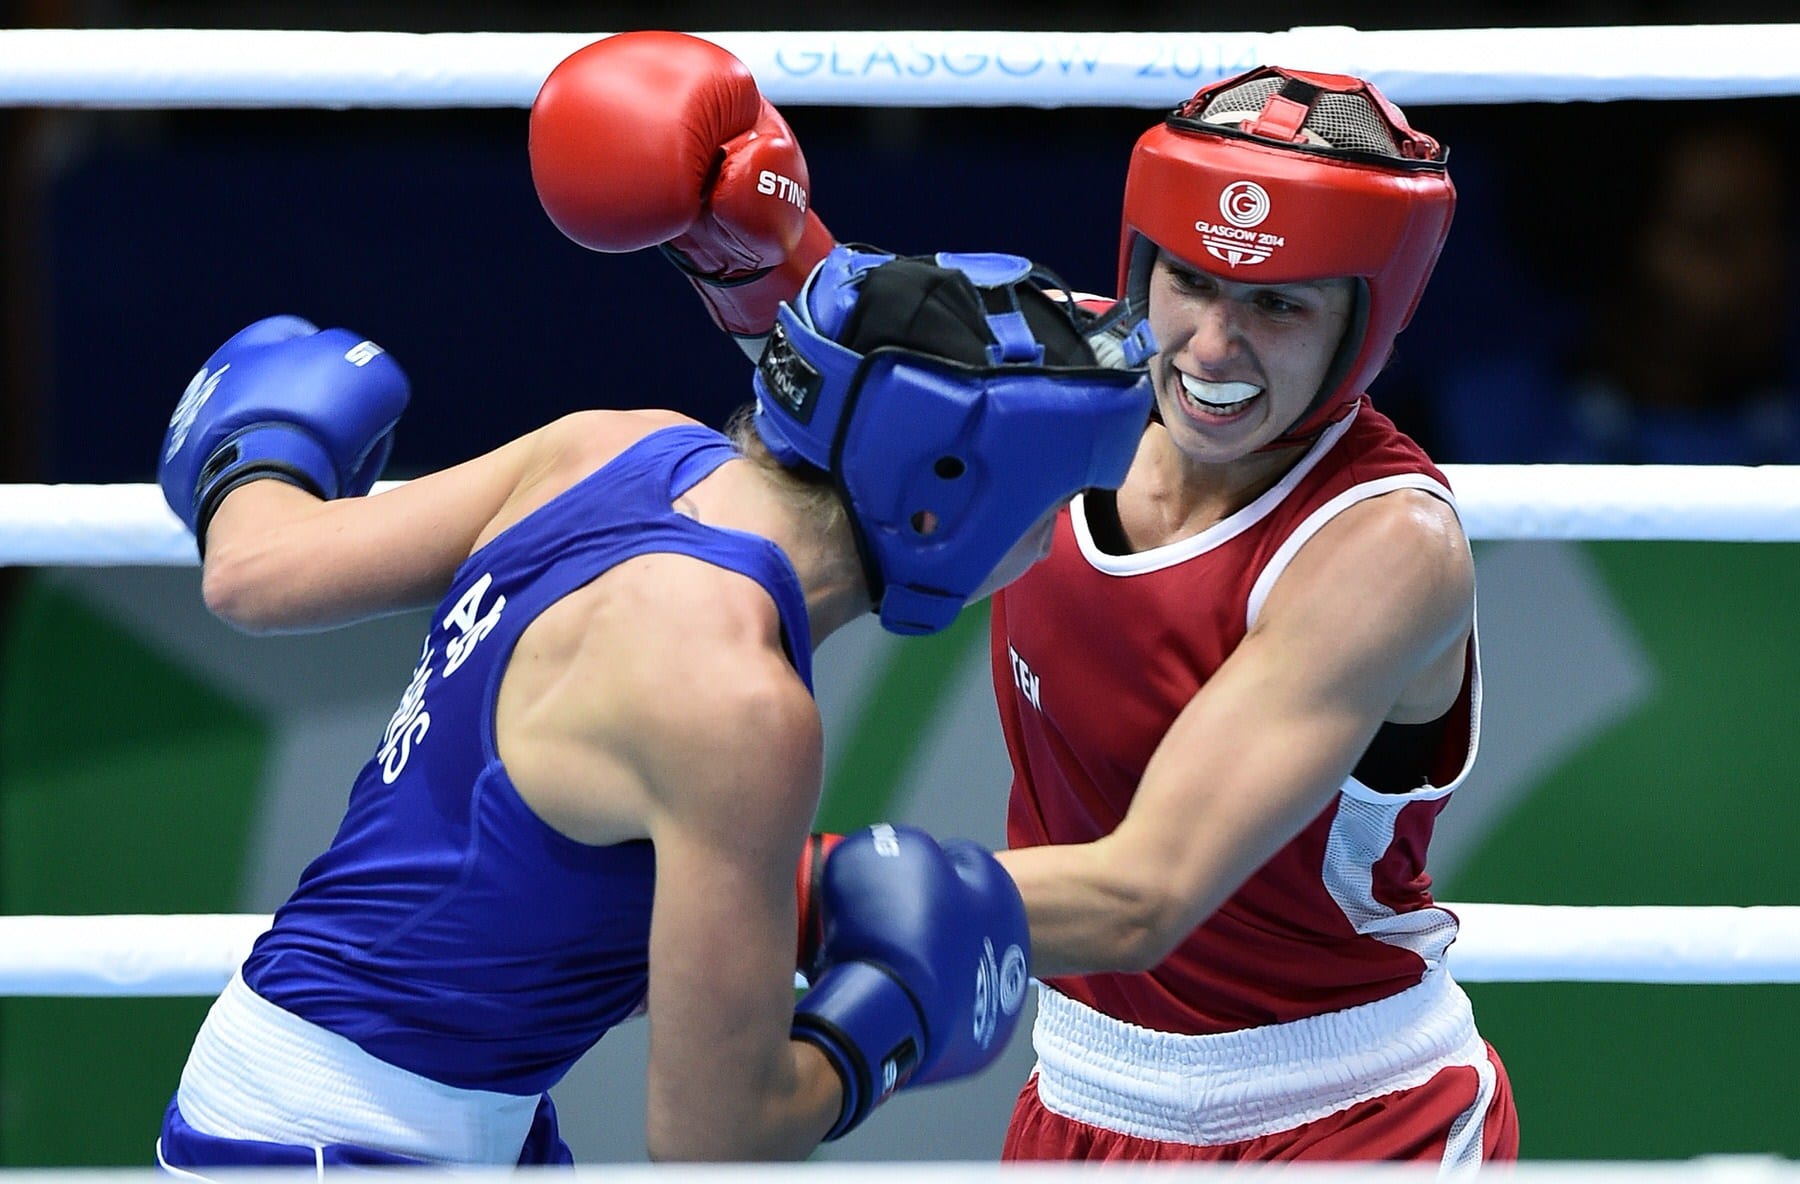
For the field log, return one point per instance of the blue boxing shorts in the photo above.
(183, 1151)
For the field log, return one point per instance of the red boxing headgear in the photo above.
(1277, 176)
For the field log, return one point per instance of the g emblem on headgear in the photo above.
(953, 402)
(1340, 185)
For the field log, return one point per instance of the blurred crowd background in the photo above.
(1618, 286)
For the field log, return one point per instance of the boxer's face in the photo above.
(1237, 363)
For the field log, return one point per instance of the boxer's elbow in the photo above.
(1156, 883)
(242, 589)
(1148, 921)
(258, 575)
(1145, 910)
(1097, 907)
(232, 598)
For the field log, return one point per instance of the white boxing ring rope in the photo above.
(196, 954)
(918, 68)
(129, 525)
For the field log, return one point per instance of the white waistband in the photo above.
(1213, 1090)
(259, 1072)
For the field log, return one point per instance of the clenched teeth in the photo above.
(1218, 397)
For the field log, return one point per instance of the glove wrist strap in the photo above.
(282, 451)
(867, 1025)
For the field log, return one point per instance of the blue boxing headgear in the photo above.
(953, 402)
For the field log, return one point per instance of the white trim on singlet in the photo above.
(1315, 521)
(257, 1071)
(1216, 535)
(1209, 1091)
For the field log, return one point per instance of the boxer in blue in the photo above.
(592, 794)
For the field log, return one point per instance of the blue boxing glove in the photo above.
(281, 399)
(923, 966)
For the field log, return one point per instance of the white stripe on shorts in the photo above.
(1206, 1091)
(257, 1071)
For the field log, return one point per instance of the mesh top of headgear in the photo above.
(1348, 123)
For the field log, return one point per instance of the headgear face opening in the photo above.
(954, 404)
(1279, 176)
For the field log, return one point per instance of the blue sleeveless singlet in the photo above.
(448, 930)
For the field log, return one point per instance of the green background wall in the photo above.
(1694, 799)
(126, 786)
(138, 774)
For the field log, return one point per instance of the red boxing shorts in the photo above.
(1404, 1079)
(1413, 1125)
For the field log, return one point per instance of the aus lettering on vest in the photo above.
(409, 723)
(470, 620)
(1023, 678)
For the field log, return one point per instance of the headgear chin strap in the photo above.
(1279, 176)
(953, 402)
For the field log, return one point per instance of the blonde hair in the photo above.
(810, 491)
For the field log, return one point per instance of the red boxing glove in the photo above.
(806, 892)
(657, 138)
